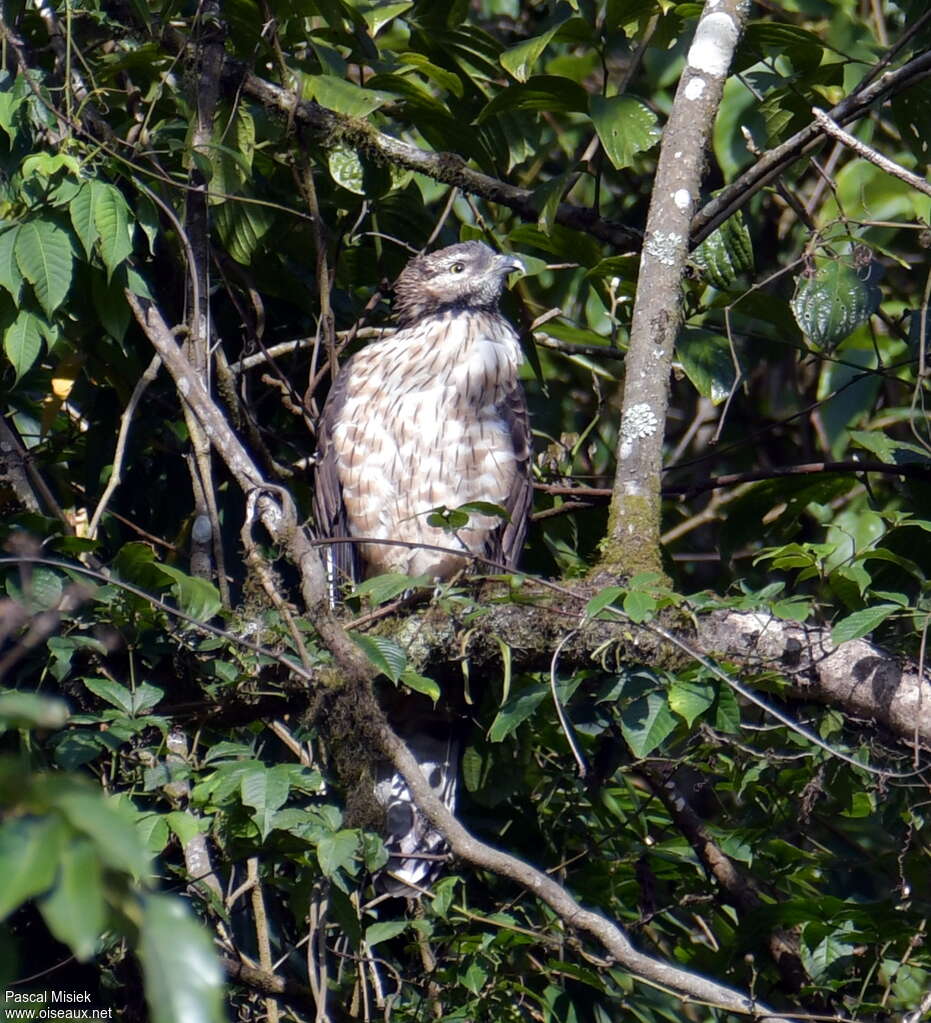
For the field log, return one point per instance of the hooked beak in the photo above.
(509, 263)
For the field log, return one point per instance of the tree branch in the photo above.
(773, 163)
(690, 987)
(633, 542)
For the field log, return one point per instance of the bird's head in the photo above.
(469, 275)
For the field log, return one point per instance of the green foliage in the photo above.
(161, 770)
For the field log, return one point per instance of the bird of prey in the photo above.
(433, 415)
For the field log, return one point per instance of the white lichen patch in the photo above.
(714, 43)
(663, 246)
(682, 198)
(639, 421)
(695, 88)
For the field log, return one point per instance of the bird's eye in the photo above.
(457, 268)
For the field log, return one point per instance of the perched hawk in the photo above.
(433, 415)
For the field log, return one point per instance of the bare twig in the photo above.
(116, 473)
(862, 149)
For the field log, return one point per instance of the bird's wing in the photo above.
(509, 538)
(342, 559)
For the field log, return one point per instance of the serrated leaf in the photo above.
(111, 215)
(625, 126)
(116, 694)
(81, 212)
(43, 255)
(384, 653)
(265, 788)
(646, 723)
(22, 342)
(183, 980)
(707, 361)
(832, 303)
(520, 60)
(861, 622)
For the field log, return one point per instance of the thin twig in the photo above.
(862, 149)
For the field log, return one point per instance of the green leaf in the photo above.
(516, 711)
(343, 96)
(111, 215)
(32, 710)
(861, 622)
(43, 254)
(196, 597)
(28, 859)
(725, 254)
(438, 75)
(110, 304)
(377, 16)
(22, 342)
(346, 169)
(241, 227)
(382, 588)
(385, 930)
(183, 980)
(833, 301)
(265, 788)
(337, 851)
(519, 60)
(708, 363)
(601, 600)
(74, 910)
(113, 835)
(625, 126)
(384, 653)
(690, 699)
(81, 211)
(113, 692)
(548, 196)
(420, 684)
(639, 605)
(10, 276)
(646, 723)
(542, 92)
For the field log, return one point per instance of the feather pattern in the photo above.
(433, 415)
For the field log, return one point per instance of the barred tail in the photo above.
(417, 850)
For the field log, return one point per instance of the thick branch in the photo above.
(633, 541)
(329, 127)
